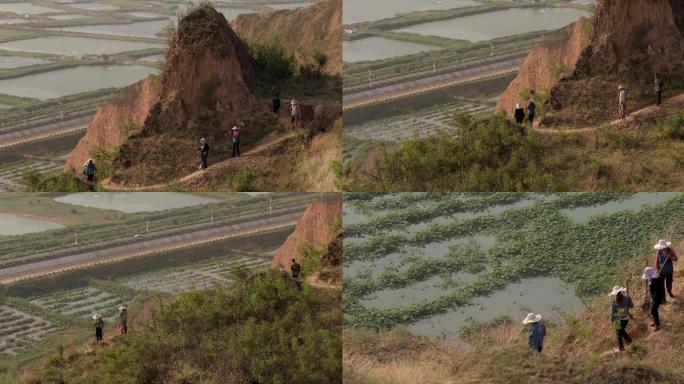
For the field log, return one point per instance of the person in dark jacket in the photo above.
(657, 292)
(531, 110)
(537, 331)
(295, 268)
(658, 89)
(519, 114)
(276, 100)
(619, 315)
(664, 258)
(204, 150)
(89, 170)
(99, 325)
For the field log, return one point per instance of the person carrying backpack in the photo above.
(204, 150)
(236, 141)
(656, 290)
(537, 331)
(619, 314)
(295, 268)
(658, 89)
(123, 319)
(88, 172)
(99, 325)
(664, 259)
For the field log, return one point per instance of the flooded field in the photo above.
(434, 263)
(356, 11)
(137, 29)
(25, 8)
(17, 225)
(64, 45)
(132, 202)
(376, 48)
(490, 25)
(50, 85)
(18, 62)
(279, 6)
(94, 6)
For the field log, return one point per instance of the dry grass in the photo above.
(316, 171)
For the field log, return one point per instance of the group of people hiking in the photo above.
(122, 326)
(530, 110)
(659, 278)
(295, 110)
(622, 96)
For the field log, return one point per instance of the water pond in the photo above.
(65, 45)
(377, 48)
(16, 225)
(133, 202)
(137, 29)
(25, 8)
(356, 11)
(18, 61)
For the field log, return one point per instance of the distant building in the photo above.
(349, 29)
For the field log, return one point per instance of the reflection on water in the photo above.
(376, 48)
(546, 295)
(16, 225)
(132, 202)
(634, 203)
(490, 25)
(50, 85)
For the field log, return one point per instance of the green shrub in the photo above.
(243, 180)
(32, 180)
(673, 126)
(273, 60)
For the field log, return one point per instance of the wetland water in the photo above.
(17, 225)
(50, 85)
(356, 11)
(137, 29)
(376, 48)
(64, 45)
(18, 61)
(133, 202)
(25, 8)
(491, 25)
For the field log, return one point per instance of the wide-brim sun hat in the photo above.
(669, 244)
(293, 102)
(621, 87)
(649, 274)
(661, 244)
(96, 316)
(617, 289)
(532, 318)
(122, 307)
(235, 128)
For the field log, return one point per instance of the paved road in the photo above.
(89, 258)
(43, 131)
(362, 98)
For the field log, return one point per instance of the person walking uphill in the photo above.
(236, 141)
(123, 319)
(537, 331)
(295, 268)
(519, 114)
(658, 89)
(664, 258)
(204, 150)
(99, 325)
(619, 314)
(531, 110)
(296, 114)
(622, 101)
(657, 293)
(89, 170)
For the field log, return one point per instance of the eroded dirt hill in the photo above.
(302, 31)
(580, 68)
(319, 226)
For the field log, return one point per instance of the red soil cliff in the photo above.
(306, 30)
(319, 226)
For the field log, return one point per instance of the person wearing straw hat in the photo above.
(519, 114)
(622, 100)
(657, 292)
(659, 89)
(295, 113)
(236, 141)
(99, 325)
(664, 258)
(619, 314)
(123, 318)
(204, 150)
(537, 331)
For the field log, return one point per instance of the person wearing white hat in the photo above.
(204, 150)
(537, 331)
(664, 258)
(99, 325)
(519, 114)
(295, 114)
(657, 292)
(123, 318)
(236, 141)
(622, 100)
(619, 314)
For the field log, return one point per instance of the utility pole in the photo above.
(492, 45)
(148, 226)
(76, 242)
(434, 67)
(212, 218)
(270, 206)
(370, 78)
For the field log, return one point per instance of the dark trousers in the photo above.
(622, 334)
(539, 349)
(655, 304)
(124, 327)
(519, 120)
(276, 106)
(659, 96)
(205, 155)
(98, 334)
(666, 281)
(236, 149)
(531, 118)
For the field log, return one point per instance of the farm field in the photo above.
(40, 313)
(441, 264)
